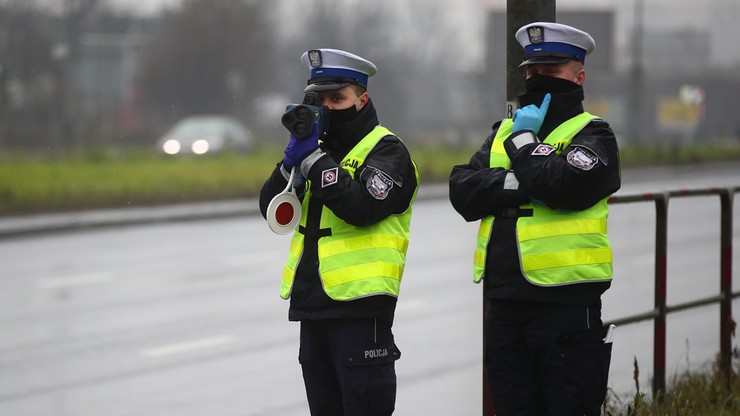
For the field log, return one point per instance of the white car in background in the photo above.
(206, 134)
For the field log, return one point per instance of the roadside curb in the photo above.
(79, 220)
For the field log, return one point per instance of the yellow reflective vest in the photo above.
(355, 262)
(555, 247)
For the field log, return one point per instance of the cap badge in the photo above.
(536, 34)
(315, 57)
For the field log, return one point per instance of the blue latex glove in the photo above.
(531, 117)
(300, 148)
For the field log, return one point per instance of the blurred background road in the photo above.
(184, 317)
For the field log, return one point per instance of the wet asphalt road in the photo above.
(184, 318)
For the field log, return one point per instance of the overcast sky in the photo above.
(718, 17)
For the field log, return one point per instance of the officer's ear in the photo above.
(364, 97)
(581, 77)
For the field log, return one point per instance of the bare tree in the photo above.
(30, 77)
(208, 57)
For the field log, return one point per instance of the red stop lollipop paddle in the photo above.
(284, 211)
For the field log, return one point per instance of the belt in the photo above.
(513, 212)
(322, 232)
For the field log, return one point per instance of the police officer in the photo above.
(347, 256)
(539, 187)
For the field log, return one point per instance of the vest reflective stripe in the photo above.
(584, 226)
(481, 244)
(555, 247)
(294, 257)
(566, 258)
(363, 280)
(355, 262)
(364, 242)
(499, 158)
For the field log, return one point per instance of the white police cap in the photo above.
(333, 69)
(553, 43)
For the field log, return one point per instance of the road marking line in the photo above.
(78, 280)
(187, 346)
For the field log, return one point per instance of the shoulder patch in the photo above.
(582, 158)
(378, 184)
(543, 150)
(329, 177)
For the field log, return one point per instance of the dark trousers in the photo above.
(349, 367)
(545, 360)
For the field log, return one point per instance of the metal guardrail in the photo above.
(661, 309)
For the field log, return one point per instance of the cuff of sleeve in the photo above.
(523, 138)
(284, 172)
(511, 183)
(309, 160)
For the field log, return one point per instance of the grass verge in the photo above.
(31, 184)
(90, 179)
(692, 393)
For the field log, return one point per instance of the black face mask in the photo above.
(543, 84)
(338, 125)
(566, 99)
(539, 85)
(338, 118)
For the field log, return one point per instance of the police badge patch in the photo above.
(329, 177)
(582, 158)
(379, 185)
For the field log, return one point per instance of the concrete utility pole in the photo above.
(638, 75)
(518, 14)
